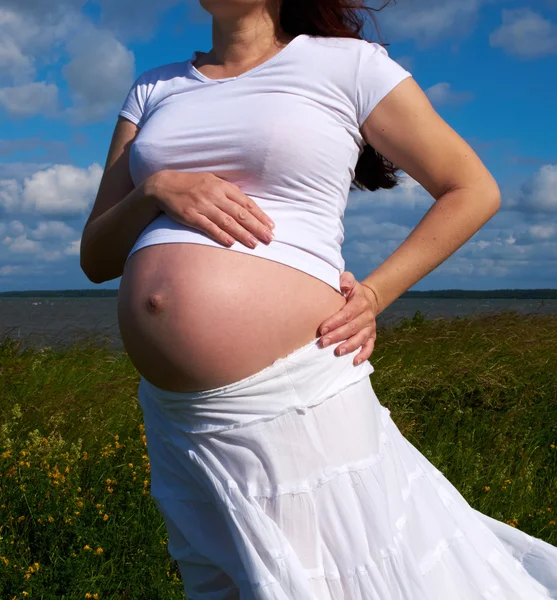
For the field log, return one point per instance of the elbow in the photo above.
(494, 195)
(87, 265)
(91, 275)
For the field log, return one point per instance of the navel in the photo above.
(156, 303)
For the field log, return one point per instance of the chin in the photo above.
(230, 8)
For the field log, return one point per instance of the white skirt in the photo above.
(296, 484)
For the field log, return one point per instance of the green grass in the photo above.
(478, 397)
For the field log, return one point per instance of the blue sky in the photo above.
(488, 66)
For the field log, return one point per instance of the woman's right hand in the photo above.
(213, 205)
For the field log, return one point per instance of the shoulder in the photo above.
(163, 72)
(344, 47)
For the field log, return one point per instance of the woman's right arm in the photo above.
(120, 212)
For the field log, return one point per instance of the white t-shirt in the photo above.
(287, 132)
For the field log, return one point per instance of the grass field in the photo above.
(478, 397)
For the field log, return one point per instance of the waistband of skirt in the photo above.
(251, 380)
(303, 378)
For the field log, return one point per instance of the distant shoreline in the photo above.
(519, 294)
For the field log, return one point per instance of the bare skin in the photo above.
(195, 317)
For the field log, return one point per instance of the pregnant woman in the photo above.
(279, 474)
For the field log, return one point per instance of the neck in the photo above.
(239, 40)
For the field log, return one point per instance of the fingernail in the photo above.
(325, 330)
(271, 225)
(326, 342)
(341, 351)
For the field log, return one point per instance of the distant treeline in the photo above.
(518, 294)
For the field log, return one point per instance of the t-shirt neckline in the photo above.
(193, 70)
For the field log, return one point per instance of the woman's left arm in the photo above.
(406, 130)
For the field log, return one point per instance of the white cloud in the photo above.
(441, 94)
(17, 171)
(63, 190)
(539, 193)
(525, 34)
(21, 245)
(139, 18)
(31, 34)
(428, 22)
(30, 99)
(52, 230)
(46, 241)
(10, 194)
(73, 248)
(543, 232)
(99, 74)
(99, 71)
(17, 227)
(7, 270)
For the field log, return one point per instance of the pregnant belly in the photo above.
(195, 317)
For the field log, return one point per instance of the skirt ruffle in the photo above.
(323, 499)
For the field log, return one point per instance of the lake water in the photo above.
(41, 322)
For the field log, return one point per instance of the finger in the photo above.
(260, 219)
(365, 352)
(229, 224)
(347, 281)
(353, 343)
(345, 332)
(246, 219)
(348, 312)
(207, 226)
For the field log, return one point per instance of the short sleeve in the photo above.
(134, 104)
(378, 74)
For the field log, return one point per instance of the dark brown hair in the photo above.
(341, 18)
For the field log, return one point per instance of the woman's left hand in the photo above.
(355, 322)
